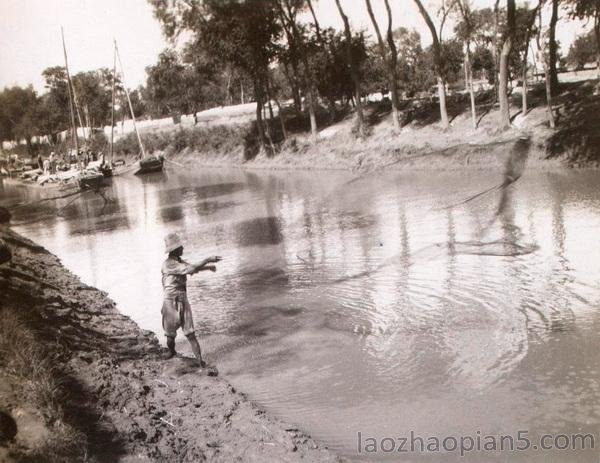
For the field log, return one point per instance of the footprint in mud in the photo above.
(180, 366)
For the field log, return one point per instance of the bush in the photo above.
(216, 139)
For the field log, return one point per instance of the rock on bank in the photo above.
(107, 385)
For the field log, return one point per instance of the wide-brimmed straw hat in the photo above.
(172, 242)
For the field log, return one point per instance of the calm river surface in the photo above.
(368, 305)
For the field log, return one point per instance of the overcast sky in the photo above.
(30, 33)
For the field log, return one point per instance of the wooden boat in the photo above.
(90, 180)
(149, 164)
(106, 170)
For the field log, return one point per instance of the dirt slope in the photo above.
(110, 388)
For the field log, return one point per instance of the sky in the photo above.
(30, 38)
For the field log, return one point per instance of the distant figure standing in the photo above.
(176, 310)
(40, 162)
(46, 166)
(52, 163)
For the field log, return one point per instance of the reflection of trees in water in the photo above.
(560, 283)
(260, 231)
(262, 277)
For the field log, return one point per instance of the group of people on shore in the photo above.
(48, 165)
(54, 163)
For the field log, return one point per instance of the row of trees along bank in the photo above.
(270, 51)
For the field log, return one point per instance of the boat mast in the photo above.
(69, 88)
(129, 101)
(85, 135)
(112, 110)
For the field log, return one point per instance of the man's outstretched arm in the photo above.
(203, 266)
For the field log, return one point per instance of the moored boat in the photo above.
(147, 162)
(90, 180)
(150, 164)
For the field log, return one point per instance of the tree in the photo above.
(553, 47)
(588, 9)
(331, 66)
(354, 73)
(582, 50)
(55, 102)
(414, 75)
(507, 43)
(438, 63)
(483, 63)
(543, 57)
(374, 72)
(290, 57)
(288, 11)
(166, 86)
(210, 82)
(322, 48)
(389, 57)
(94, 95)
(525, 30)
(241, 33)
(18, 115)
(466, 33)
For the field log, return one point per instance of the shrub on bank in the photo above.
(215, 139)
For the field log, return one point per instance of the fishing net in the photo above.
(509, 244)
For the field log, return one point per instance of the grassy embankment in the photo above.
(422, 143)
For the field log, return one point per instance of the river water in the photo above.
(379, 305)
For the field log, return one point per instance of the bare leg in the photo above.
(171, 347)
(196, 348)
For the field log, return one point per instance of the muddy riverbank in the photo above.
(82, 380)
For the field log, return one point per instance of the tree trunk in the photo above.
(552, 47)
(293, 47)
(551, 120)
(314, 131)
(294, 34)
(495, 49)
(504, 54)
(353, 72)
(388, 62)
(393, 66)
(331, 97)
(542, 59)
(466, 15)
(597, 34)
(442, 97)
(530, 25)
(280, 114)
(469, 80)
(294, 88)
(279, 111)
(229, 96)
(271, 116)
(524, 108)
(503, 83)
(259, 108)
(332, 110)
(28, 144)
(437, 56)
